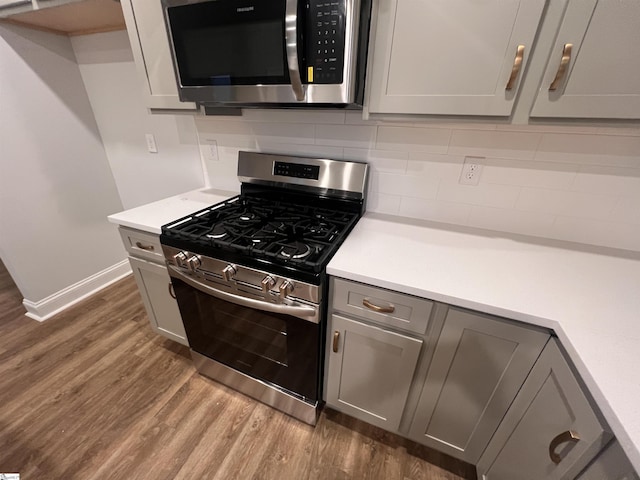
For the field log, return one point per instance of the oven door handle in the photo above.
(295, 310)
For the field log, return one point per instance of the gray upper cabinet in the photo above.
(551, 417)
(594, 62)
(369, 371)
(152, 54)
(452, 57)
(479, 364)
(513, 58)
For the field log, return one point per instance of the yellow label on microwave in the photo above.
(310, 74)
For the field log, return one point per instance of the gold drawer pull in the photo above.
(562, 69)
(517, 65)
(142, 246)
(336, 338)
(568, 436)
(376, 308)
(171, 291)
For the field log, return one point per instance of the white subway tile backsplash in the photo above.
(230, 133)
(265, 145)
(354, 136)
(579, 183)
(627, 210)
(509, 220)
(408, 185)
(605, 150)
(379, 160)
(499, 144)
(300, 133)
(528, 173)
(413, 139)
(293, 116)
(501, 196)
(434, 210)
(383, 203)
(607, 234)
(559, 202)
(597, 179)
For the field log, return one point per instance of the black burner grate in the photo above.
(295, 235)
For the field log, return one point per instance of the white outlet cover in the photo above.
(471, 171)
(209, 150)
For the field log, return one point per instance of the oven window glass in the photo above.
(280, 349)
(256, 333)
(229, 43)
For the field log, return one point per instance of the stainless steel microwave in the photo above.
(292, 53)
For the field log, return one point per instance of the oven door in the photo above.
(238, 332)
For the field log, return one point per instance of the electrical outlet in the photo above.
(151, 143)
(209, 150)
(471, 170)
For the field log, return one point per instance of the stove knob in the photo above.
(193, 263)
(267, 283)
(286, 288)
(228, 272)
(180, 258)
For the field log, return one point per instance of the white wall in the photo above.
(56, 188)
(580, 184)
(115, 93)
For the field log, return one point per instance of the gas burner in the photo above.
(296, 250)
(217, 232)
(246, 216)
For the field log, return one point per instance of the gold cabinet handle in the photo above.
(376, 308)
(142, 246)
(568, 436)
(562, 69)
(171, 291)
(517, 65)
(336, 338)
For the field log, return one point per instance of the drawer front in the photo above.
(382, 306)
(142, 244)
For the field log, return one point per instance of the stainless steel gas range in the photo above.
(249, 275)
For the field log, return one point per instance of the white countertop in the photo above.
(152, 216)
(590, 297)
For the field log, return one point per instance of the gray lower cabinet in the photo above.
(479, 364)
(369, 371)
(610, 464)
(154, 284)
(550, 431)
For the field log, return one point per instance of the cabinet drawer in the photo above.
(382, 306)
(142, 244)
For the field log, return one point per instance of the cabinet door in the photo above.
(479, 364)
(450, 56)
(369, 371)
(601, 77)
(550, 404)
(610, 464)
(154, 284)
(151, 53)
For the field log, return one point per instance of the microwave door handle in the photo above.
(298, 311)
(291, 42)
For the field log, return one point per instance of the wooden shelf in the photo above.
(74, 18)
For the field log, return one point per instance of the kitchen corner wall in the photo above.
(573, 183)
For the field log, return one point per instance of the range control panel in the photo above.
(326, 20)
(296, 170)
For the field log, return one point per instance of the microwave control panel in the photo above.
(325, 41)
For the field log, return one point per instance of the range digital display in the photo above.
(297, 170)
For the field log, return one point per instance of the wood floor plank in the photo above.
(93, 393)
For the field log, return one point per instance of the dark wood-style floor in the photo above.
(93, 393)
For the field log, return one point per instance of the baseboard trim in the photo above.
(59, 301)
